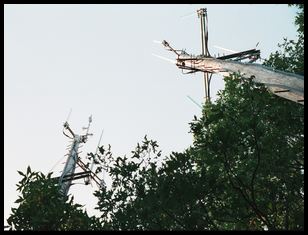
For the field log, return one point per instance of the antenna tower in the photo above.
(68, 174)
(202, 14)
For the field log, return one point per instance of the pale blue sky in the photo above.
(96, 59)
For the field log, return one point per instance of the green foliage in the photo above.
(243, 172)
(291, 56)
(256, 142)
(41, 207)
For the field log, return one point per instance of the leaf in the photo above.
(19, 172)
(101, 149)
(19, 200)
(9, 221)
(49, 175)
(28, 170)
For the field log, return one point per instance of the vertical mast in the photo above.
(202, 14)
(67, 175)
(70, 166)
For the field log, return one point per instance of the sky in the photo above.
(97, 60)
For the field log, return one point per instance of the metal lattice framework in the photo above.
(287, 85)
(68, 174)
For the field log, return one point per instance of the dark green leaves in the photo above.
(19, 172)
(244, 170)
(28, 170)
(291, 56)
(41, 207)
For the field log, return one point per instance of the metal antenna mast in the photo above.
(286, 85)
(68, 174)
(202, 14)
(72, 159)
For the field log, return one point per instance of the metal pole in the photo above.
(204, 38)
(205, 25)
(202, 35)
(206, 87)
(286, 85)
(72, 159)
(70, 166)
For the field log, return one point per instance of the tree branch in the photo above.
(174, 218)
(244, 195)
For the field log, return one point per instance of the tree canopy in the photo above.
(243, 171)
(42, 207)
(291, 56)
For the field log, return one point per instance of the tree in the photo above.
(255, 141)
(42, 207)
(244, 170)
(291, 56)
